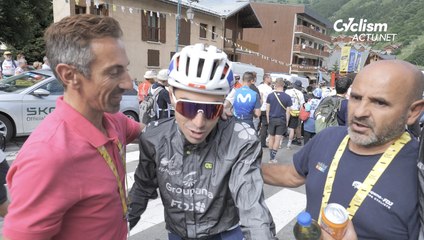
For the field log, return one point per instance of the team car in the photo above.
(26, 99)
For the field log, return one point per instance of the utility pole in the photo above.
(177, 37)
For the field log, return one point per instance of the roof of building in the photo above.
(224, 9)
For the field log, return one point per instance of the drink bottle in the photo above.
(306, 228)
(334, 220)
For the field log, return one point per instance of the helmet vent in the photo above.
(214, 67)
(187, 66)
(224, 72)
(200, 67)
(178, 63)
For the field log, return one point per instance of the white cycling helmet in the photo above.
(202, 69)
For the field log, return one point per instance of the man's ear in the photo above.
(68, 75)
(416, 109)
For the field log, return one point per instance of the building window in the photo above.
(203, 28)
(297, 40)
(80, 9)
(299, 21)
(214, 35)
(153, 27)
(153, 58)
(101, 10)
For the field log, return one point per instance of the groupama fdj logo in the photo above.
(364, 30)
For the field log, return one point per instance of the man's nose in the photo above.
(199, 120)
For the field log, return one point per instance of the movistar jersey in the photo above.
(245, 102)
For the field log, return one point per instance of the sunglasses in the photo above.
(189, 108)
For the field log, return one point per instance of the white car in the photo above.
(28, 98)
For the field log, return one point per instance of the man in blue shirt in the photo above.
(278, 105)
(247, 103)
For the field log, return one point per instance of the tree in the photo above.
(335, 67)
(417, 57)
(23, 23)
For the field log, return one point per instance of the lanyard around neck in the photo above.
(369, 181)
(102, 150)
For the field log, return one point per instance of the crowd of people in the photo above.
(10, 67)
(203, 154)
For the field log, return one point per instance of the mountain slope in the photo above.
(403, 17)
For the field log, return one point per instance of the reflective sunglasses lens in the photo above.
(190, 110)
(186, 109)
(212, 111)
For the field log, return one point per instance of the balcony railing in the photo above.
(309, 50)
(312, 32)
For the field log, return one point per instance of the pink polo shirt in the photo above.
(61, 187)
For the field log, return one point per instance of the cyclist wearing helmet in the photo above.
(207, 170)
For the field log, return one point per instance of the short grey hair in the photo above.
(69, 40)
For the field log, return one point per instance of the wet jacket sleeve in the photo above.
(246, 186)
(145, 182)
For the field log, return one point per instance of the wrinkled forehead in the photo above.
(383, 80)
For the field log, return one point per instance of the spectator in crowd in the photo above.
(294, 122)
(20, 56)
(68, 180)
(237, 83)
(144, 86)
(22, 66)
(278, 105)
(8, 65)
(37, 65)
(163, 101)
(370, 166)
(309, 94)
(46, 63)
(342, 86)
(264, 89)
(247, 103)
(207, 170)
(310, 106)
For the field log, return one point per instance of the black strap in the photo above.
(280, 101)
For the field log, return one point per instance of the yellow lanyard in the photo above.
(369, 181)
(102, 150)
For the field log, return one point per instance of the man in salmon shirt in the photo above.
(68, 180)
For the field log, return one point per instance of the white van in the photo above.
(240, 68)
(291, 77)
